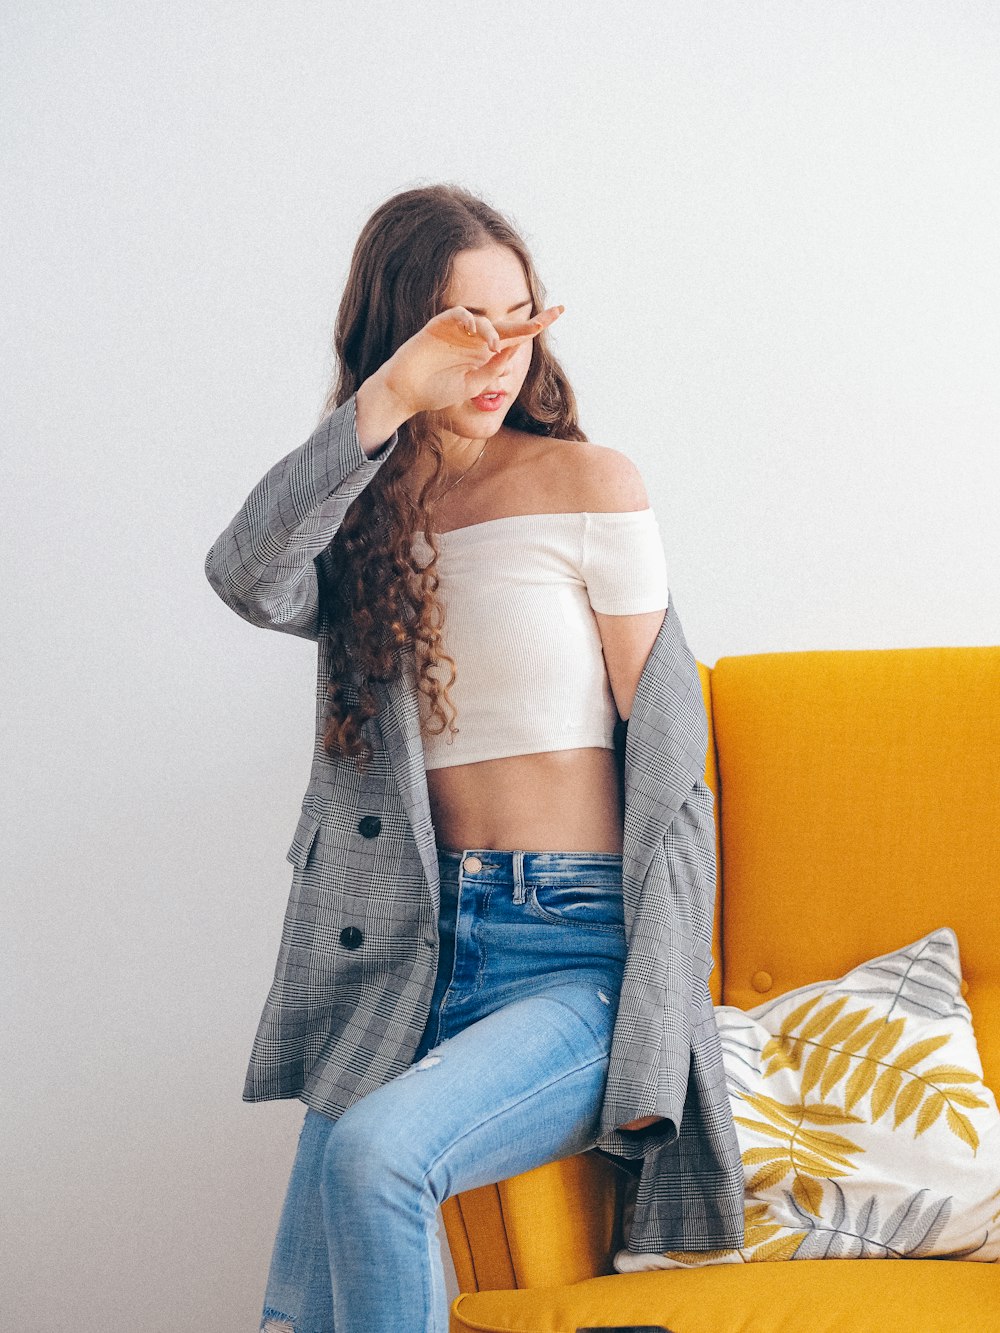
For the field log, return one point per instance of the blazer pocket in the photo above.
(303, 839)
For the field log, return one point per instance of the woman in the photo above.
(448, 519)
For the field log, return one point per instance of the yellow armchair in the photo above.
(857, 808)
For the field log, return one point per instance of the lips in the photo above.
(489, 399)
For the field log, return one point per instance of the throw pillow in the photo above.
(865, 1127)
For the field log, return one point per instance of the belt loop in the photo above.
(520, 888)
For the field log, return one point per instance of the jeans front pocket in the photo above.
(593, 906)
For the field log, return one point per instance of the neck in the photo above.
(460, 451)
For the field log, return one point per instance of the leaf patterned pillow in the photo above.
(865, 1127)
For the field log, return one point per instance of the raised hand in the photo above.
(455, 356)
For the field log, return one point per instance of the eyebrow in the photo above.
(475, 310)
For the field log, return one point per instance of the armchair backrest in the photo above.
(858, 807)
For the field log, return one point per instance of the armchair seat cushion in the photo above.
(821, 1295)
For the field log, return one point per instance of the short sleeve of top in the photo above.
(623, 562)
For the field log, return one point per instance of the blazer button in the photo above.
(351, 937)
(370, 825)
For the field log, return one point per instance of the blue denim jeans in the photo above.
(509, 1073)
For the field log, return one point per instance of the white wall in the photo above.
(773, 226)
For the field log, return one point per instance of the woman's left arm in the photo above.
(626, 639)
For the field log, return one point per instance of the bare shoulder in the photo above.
(594, 477)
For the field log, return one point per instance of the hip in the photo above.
(559, 902)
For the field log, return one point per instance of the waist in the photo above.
(569, 800)
(511, 865)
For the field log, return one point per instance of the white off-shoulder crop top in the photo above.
(519, 595)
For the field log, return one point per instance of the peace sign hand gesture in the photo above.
(455, 356)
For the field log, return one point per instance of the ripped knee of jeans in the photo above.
(274, 1321)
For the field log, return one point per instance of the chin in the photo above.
(469, 421)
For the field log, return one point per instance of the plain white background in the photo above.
(773, 226)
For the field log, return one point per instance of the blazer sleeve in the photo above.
(262, 564)
(665, 984)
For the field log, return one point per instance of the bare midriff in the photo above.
(556, 801)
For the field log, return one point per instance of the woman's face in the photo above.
(489, 281)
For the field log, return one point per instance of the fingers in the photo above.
(498, 358)
(485, 330)
(462, 328)
(475, 331)
(549, 316)
(492, 361)
(495, 333)
(529, 328)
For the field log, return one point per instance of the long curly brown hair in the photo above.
(375, 597)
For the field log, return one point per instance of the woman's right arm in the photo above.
(263, 564)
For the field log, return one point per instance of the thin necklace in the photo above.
(466, 472)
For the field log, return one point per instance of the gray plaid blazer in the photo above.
(359, 945)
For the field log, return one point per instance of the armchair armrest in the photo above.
(549, 1227)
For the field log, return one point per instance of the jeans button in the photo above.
(472, 864)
